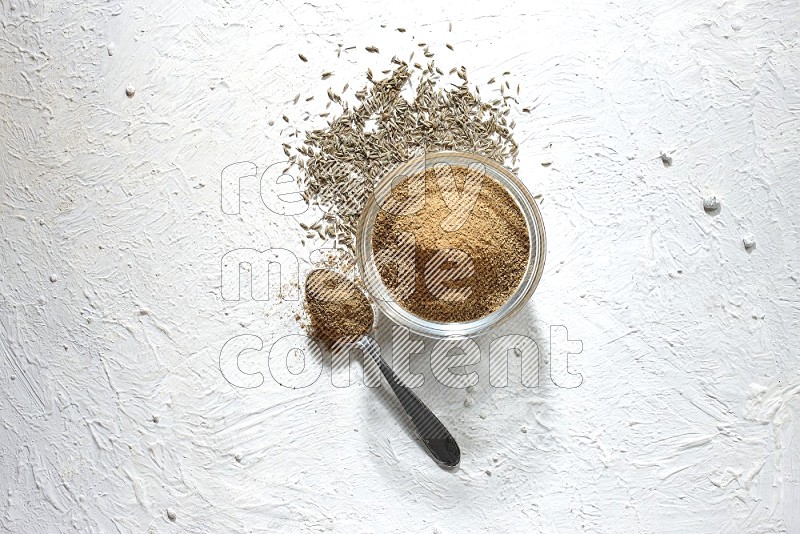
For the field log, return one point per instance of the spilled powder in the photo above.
(492, 236)
(336, 308)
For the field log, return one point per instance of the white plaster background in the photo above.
(113, 407)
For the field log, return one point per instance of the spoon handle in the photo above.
(431, 431)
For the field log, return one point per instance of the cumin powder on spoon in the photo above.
(337, 308)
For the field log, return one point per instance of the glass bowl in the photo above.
(380, 293)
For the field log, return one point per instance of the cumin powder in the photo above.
(337, 309)
(462, 269)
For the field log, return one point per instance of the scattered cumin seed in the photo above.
(401, 30)
(372, 49)
(341, 162)
(303, 58)
(449, 46)
(326, 75)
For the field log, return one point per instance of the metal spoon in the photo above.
(434, 435)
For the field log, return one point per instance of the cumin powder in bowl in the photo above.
(450, 243)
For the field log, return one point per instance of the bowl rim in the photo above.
(380, 295)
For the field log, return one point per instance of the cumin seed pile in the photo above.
(409, 111)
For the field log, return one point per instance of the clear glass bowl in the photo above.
(380, 293)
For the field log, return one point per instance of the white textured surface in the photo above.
(113, 407)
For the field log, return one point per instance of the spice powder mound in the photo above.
(337, 309)
(485, 249)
